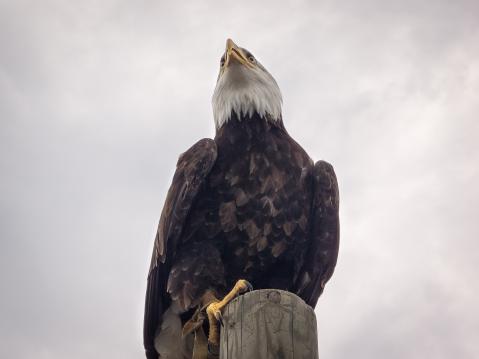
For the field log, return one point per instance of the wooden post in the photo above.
(269, 324)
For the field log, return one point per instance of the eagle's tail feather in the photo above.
(169, 342)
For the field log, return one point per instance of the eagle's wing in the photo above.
(191, 170)
(322, 255)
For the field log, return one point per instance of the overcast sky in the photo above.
(97, 99)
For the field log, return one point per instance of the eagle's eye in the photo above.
(251, 58)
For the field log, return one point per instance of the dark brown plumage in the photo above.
(249, 204)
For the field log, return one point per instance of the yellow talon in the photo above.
(214, 309)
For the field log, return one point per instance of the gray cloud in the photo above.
(98, 100)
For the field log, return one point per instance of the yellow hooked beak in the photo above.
(234, 53)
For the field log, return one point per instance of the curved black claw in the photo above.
(249, 285)
(219, 316)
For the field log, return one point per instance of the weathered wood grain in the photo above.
(269, 324)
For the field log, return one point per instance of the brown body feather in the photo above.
(249, 205)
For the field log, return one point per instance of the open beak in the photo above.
(234, 53)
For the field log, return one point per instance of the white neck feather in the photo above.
(246, 91)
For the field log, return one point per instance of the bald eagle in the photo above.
(248, 207)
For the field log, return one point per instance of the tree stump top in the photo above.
(267, 324)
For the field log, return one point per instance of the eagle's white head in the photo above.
(245, 87)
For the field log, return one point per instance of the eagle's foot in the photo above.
(214, 316)
(214, 309)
